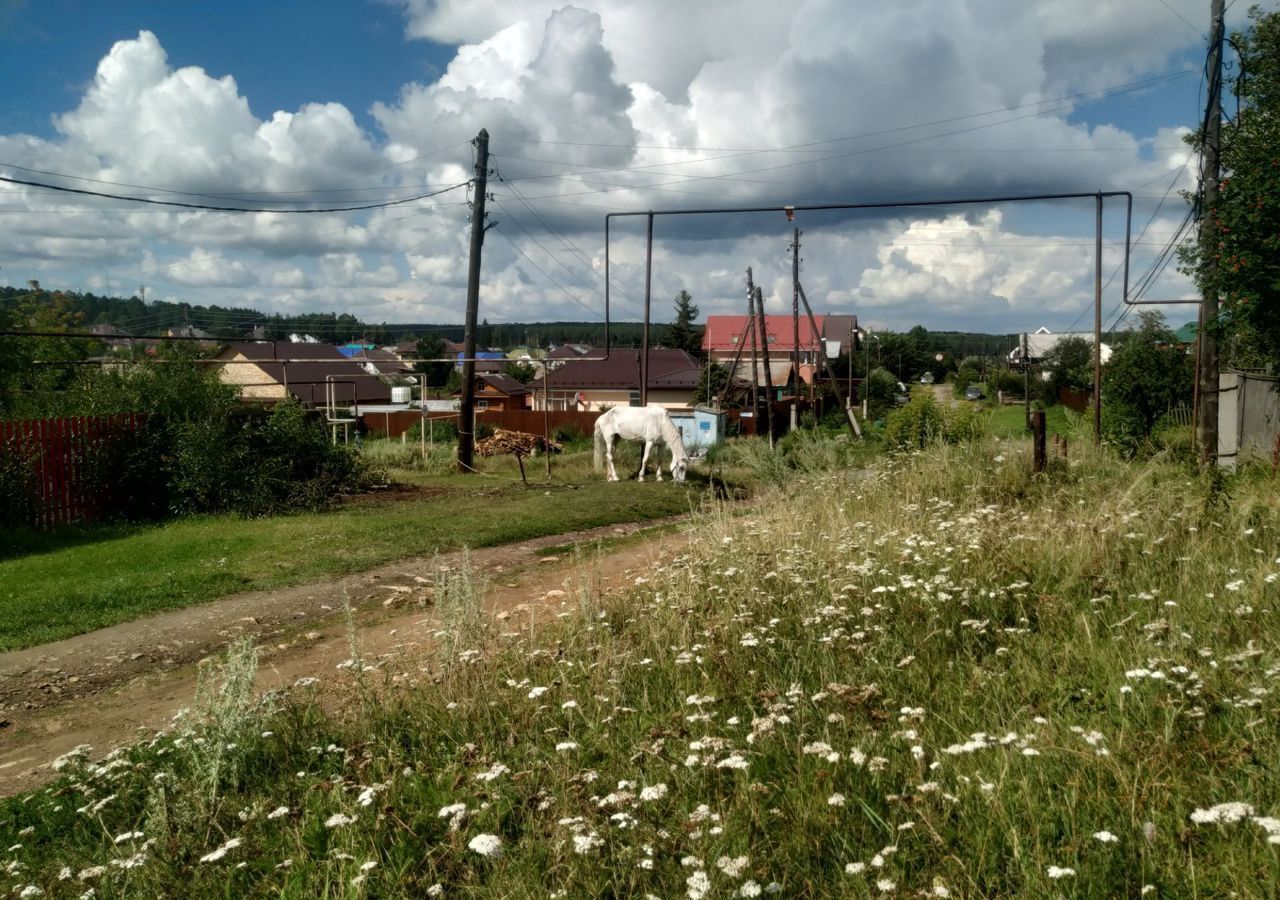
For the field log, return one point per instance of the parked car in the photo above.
(973, 392)
(926, 378)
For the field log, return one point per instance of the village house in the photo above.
(270, 371)
(498, 392)
(1042, 340)
(725, 337)
(592, 385)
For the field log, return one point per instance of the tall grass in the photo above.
(950, 678)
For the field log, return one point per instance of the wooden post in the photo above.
(1037, 439)
(467, 406)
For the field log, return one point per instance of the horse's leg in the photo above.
(657, 465)
(644, 460)
(608, 457)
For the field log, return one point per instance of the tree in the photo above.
(681, 335)
(522, 372)
(1148, 375)
(1245, 237)
(1070, 365)
(712, 381)
(432, 347)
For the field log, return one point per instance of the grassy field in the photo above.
(55, 586)
(1009, 421)
(946, 679)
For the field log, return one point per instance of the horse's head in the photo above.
(678, 468)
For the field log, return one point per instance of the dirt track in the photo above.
(104, 687)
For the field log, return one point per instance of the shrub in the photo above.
(442, 430)
(18, 501)
(881, 388)
(923, 421)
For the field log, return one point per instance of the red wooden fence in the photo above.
(69, 487)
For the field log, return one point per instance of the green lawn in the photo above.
(56, 586)
(1008, 421)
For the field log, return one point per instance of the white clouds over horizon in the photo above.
(596, 93)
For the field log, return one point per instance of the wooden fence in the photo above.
(394, 424)
(61, 461)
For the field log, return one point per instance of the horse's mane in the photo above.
(671, 435)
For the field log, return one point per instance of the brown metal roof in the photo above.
(668, 369)
(309, 368)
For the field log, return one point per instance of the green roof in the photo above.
(1187, 333)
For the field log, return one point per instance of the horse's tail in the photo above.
(598, 461)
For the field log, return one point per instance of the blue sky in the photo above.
(331, 93)
(282, 53)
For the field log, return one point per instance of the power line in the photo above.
(237, 209)
(730, 176)
(1119, 88)
(562, 288)
(1185, 20)
(224, 195)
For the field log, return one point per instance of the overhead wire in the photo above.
(223, 195)
(233, 209)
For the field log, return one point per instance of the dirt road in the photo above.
(106, 687)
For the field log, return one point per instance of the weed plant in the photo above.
(950, 678)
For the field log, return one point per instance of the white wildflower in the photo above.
(487, 845)
(732, 867)
(1056, 872)
(585, 843)
(1233, 811)
(337, 820)
(835, 800)
(698, 885)
(278, 812)
(653, 792)
(1105, 837)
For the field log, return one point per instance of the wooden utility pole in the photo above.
(1097, 326)
(644, 337)
(795, 328)
(755, 372)
(768, 374)
(1026, 383)
(467, 405)
(754, 292)
(824, 368)
(1208, 414)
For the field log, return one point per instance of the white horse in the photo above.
(650, 424)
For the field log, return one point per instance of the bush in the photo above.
(18, 487)
(881, 388)
(443, 430)
(1004, 380)
(923, 422)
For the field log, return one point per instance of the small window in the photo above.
(634, 398)
(482, 404)
(734, 339)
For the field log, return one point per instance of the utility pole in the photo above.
(644, 338)
(755, 372)
(467, 406)
(795, 327)
(848, 404)
(1026, 383)
(822, 368)
(1097, 325)
(1208, 413)
(764, 345)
